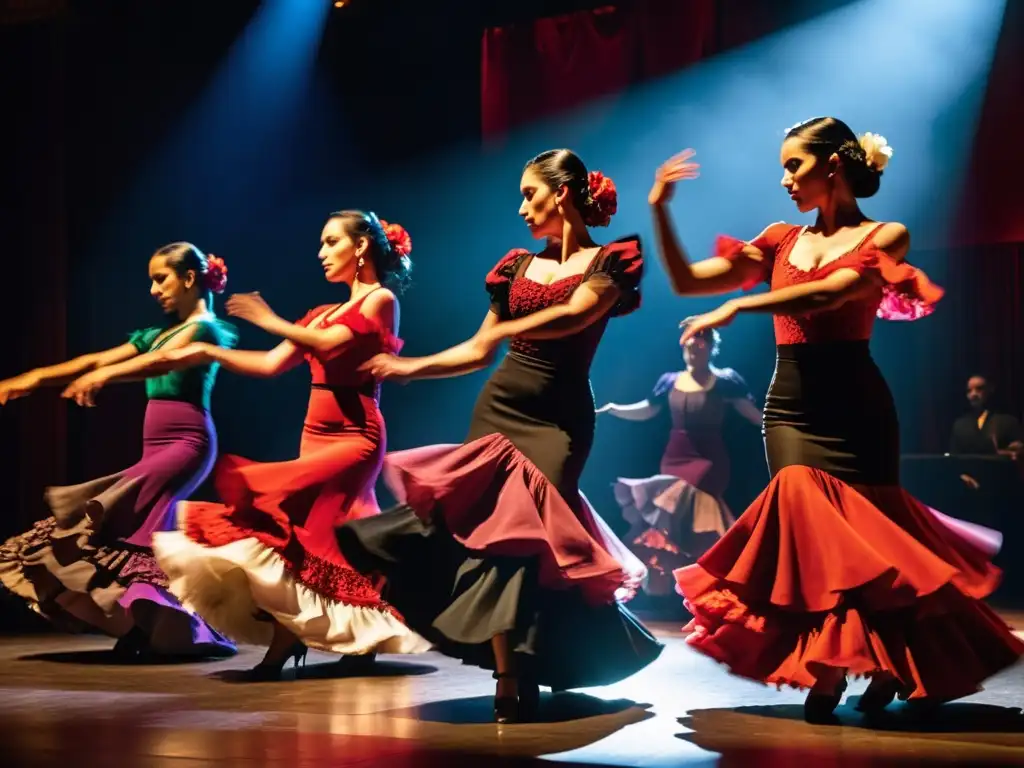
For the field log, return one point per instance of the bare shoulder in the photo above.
(773, 233)
(381, 304)
(776, 228)
(894, 238)
(380, 300)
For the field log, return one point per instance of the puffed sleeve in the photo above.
(907, 293)
(143, 338)
(499, 280)
(663, 387)
(761, 251)
(732, 386)
(619, 265)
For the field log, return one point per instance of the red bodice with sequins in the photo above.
(901, 293)
(526, 297)
(514, 295)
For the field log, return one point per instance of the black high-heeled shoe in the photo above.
(879, 695)
(131, 645)
(819, 708)
(356, 665)
(267, 671)
(506, 708)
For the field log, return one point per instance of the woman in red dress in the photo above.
(834, 570)
(263, 566)
(495, 556)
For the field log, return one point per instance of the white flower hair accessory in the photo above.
(877, 150)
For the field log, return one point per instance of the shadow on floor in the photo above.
(983, 734)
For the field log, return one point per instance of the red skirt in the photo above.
(270, 549)
(817, 573)
(834, 565)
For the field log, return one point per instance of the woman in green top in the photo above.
(91, 560)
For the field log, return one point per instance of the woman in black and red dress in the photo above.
(495, 556)
(834, 569)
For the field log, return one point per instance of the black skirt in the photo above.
(829, 408)
(459, 600)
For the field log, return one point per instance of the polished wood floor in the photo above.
(64, 701)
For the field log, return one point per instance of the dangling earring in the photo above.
(360, 264)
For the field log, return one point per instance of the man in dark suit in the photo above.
(982, 430)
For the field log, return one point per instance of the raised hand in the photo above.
(251, 307)
(18, 386)
(716, 318)
(677, 168)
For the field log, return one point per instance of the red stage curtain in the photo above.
(992, 207)
(537, 69)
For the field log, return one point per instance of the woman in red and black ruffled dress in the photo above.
(494, 555)
(264, 567)
(834, 570)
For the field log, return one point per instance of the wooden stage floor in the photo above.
(64, 702)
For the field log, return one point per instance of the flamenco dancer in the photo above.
(494, 555)
(677, 514)
(264, 567)
(91, 560)
(834, 570)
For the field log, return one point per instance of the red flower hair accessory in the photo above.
(606, 200)
(216, 276)
(398, 238)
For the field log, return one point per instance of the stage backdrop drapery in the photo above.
(535, 69)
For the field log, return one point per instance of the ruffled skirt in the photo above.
(91, 560)
(833, 566)
(672, 523)
(268, 552)
(484, 544)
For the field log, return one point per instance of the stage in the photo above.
(65, 702)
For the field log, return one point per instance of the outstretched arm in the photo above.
(748, 411)
(829, 292)
(583, 308)
(640, 411)
(84, 389)
(245, 362)
(141, 366)
(252, 307)
(52, 375)
(806, 298)
(467, 357)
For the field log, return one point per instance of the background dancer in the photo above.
(676, 515)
